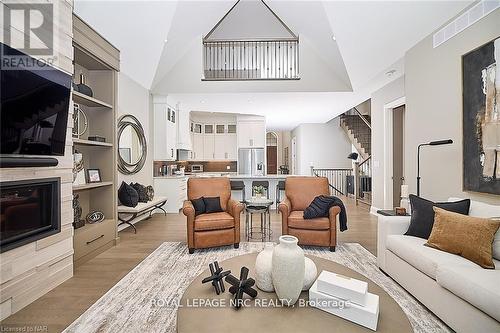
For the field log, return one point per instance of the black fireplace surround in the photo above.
(30, 210)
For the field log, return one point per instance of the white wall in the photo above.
(432, 88)
(322, 145)
(387, 94)
(134, 99)
(315, 76)
(239, 24)
(434, 109)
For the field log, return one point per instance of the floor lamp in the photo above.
(432, 143)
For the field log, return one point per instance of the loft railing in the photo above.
(251, 60)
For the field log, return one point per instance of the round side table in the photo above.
(261, 207)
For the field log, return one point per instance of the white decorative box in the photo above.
(366, 316)
(343, 287)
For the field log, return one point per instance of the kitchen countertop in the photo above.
(226, 174)
(259, 177)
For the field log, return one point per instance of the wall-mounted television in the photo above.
(34, 109)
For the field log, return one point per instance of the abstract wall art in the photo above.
(481, 119)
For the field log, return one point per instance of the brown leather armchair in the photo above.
(213, 229)
(299, 193)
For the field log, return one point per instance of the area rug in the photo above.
(164, 275)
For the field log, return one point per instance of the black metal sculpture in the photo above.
(241, 286)
(217, 277)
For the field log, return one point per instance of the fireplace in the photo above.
(30, 210)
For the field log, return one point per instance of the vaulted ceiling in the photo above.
(346, 47)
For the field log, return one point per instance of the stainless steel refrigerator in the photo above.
(251, 161)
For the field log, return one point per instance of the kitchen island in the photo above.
(248, 179)
(174, 187)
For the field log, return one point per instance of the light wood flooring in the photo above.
(61, 306)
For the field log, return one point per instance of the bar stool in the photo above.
(263, 183)
(279, 187)
(239, 185)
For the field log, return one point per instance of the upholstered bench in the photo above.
(127, 214)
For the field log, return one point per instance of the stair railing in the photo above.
(362, 180)
(337, 178)
(360, 115)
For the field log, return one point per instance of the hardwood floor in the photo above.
(61, 306)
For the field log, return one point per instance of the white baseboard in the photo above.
(373, 210)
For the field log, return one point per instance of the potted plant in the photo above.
(258, 191)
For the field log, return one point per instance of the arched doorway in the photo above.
(272, 153)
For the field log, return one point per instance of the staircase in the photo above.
(358, 129)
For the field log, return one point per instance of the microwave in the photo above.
(197, 168)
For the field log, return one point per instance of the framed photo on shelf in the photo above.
(93, 175)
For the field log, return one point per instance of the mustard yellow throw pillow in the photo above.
(466, 236)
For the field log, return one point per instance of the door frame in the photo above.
(277, 150)
(388, 154)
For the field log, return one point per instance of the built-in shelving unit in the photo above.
(89, 101)
(90, 186)
(98, 61)
(85, 142)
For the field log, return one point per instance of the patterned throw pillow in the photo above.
(141, 191)
(150, 191)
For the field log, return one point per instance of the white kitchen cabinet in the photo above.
(231, 147)
(251, 134)
(208, 146)
(220, 152)
(197, 147)
(225, 147)
(171, 133)
(174, 189)
(165, 132)
(214, 141)
(183, 130)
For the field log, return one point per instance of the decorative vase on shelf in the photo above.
(83, 88)
(263, 269)
(310, 273)
(288, 269)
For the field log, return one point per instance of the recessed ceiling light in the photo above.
(202, 101)
(334, 38)
(166, 40)
(390, 73)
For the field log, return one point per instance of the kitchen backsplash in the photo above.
(212, 166)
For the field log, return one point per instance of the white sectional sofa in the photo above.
(464, 295)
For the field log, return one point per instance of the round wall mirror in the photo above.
(132, 147)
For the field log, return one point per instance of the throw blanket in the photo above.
(320, 207)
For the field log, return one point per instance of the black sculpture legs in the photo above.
(217, 277)
(241, 286)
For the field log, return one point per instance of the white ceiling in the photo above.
(371, 37)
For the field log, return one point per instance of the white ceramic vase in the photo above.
(310, 273)
(263, 269)
(288, 269)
